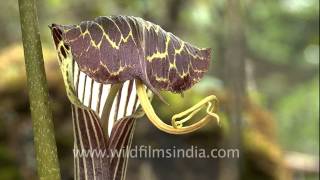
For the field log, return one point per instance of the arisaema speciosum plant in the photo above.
(113, 65)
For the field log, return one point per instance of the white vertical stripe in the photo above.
(75, 74)
(104, 95)
(87, 92)
(132, 98)
(123, 100)
(95, 96)
(81, 85)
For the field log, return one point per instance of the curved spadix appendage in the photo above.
(177, 126)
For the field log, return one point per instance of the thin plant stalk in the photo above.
(44, 139)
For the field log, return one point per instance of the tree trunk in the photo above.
(234, 78)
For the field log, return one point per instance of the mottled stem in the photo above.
(44, 140)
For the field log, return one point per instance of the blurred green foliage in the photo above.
(298, 116)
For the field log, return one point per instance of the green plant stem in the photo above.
(44, 140)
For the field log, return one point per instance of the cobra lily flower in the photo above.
(111, 66)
